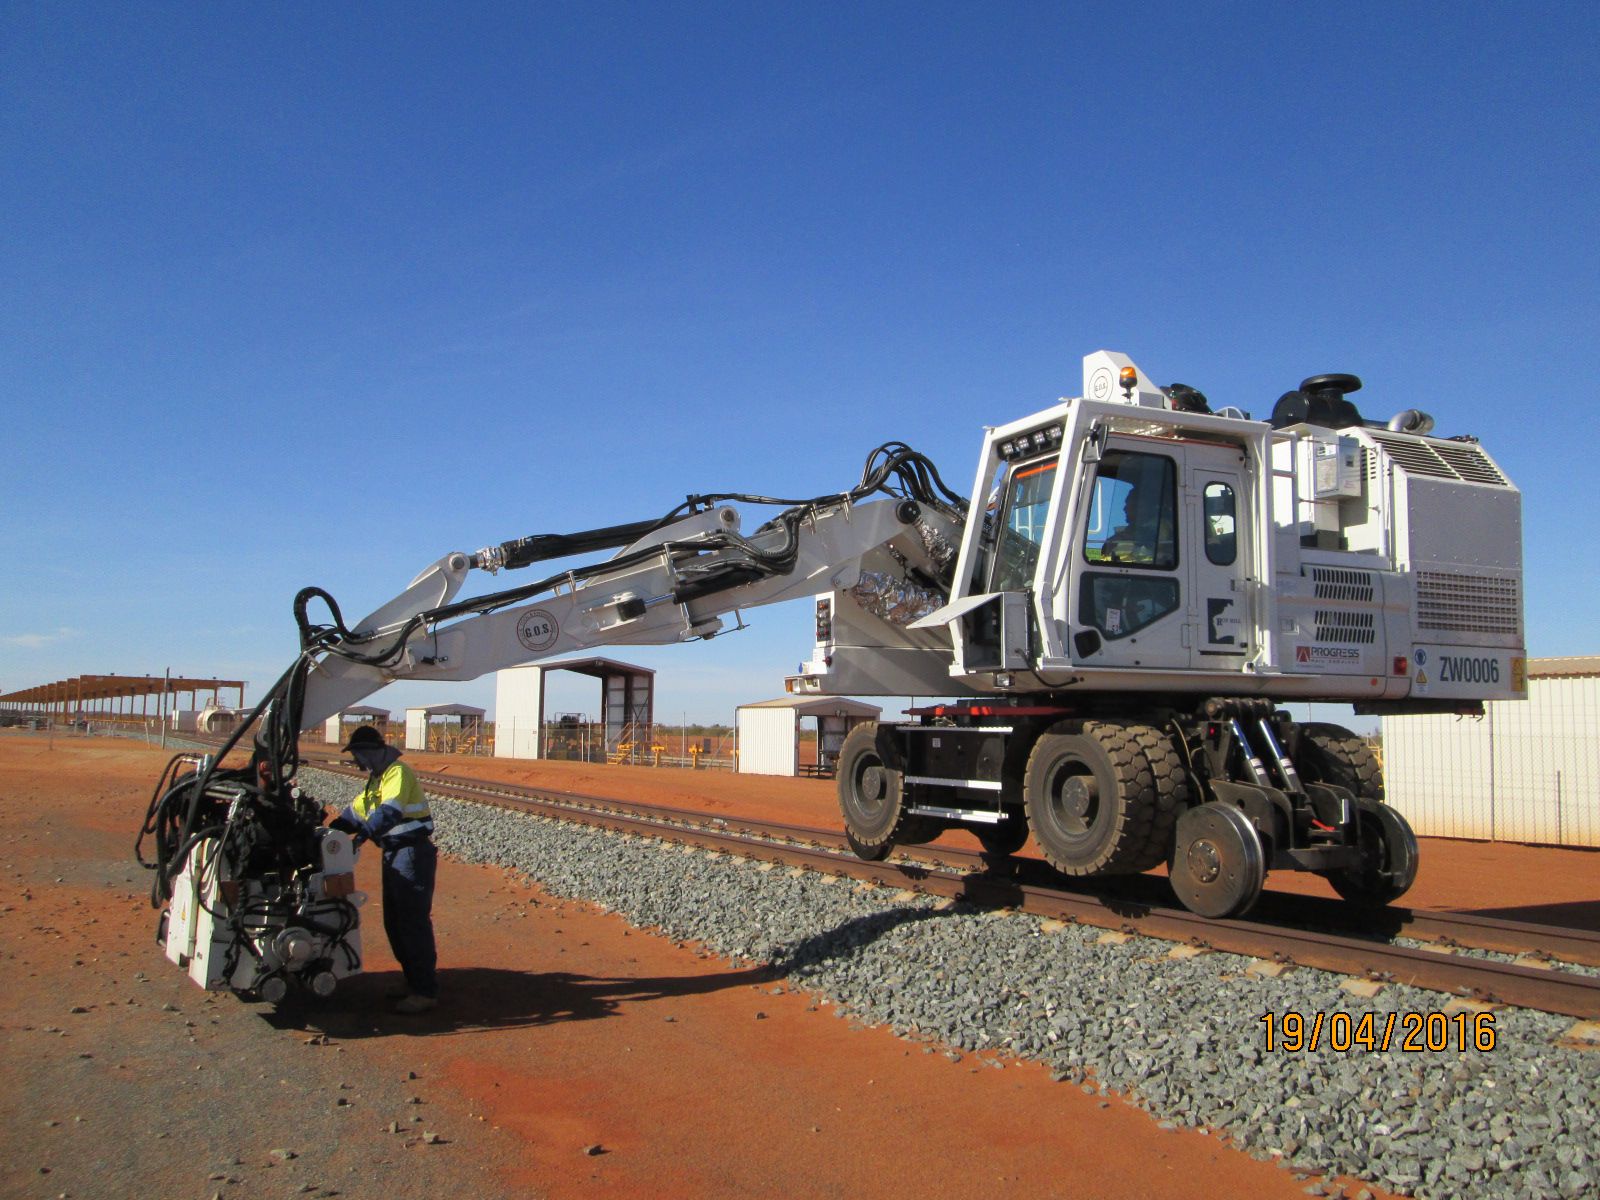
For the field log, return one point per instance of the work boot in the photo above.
(414, 1004)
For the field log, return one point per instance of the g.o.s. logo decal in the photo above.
(537, 630)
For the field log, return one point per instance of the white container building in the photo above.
(769, 732)
(1526, 771)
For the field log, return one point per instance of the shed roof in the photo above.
(820, 706)
(448, 710)
(111, 687)
(1564, 668)
(599, 668)
(366, 710)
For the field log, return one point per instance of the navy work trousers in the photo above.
(408, 875)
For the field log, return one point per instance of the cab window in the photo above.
(1133, 512)
(1222, 543)
(1027, 507)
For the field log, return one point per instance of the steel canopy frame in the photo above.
(113, 696)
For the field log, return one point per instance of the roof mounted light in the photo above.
(1026, 445)
(1128, 378)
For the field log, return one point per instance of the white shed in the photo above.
(339, 726)
(444, 728)
(1525, 771)
(769, 732)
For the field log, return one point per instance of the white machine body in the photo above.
(244, 935)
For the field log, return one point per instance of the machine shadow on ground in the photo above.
(1574, 914)
(483, 999)
(849, 938)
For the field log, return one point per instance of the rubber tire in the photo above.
(1173, 793)
(1343, 759)
(1121, 831)
(1389, 859)
(1005, 839)
(1389, 847)
(871, 796)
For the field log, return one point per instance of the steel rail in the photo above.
(1463, 929)
(1486, 980)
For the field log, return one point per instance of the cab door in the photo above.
(1216, 512)
(1127, 601)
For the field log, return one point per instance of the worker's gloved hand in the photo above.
(345, 823)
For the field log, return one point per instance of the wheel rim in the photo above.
(1074, 802)
(869, 787)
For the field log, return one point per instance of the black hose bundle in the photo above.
(893, 469)
(187, 808)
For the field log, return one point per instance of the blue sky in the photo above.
(313, 294)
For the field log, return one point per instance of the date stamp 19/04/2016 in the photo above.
(1408, 1032)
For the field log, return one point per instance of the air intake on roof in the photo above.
(1461, 461)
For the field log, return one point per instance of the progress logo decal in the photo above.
(1327, 656)
(537, 630)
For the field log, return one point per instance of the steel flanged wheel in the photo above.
(1388, 858)
(1218, 865)
(871, 798)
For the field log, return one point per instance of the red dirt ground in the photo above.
(562, 1029)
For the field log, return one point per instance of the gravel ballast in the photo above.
(1182, 1038)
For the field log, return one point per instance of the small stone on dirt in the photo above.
(593, 1150)
(282, 1155)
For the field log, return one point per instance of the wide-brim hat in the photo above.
(365, 736)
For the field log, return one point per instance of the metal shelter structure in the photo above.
(769, 733)
(445, 729)
(337, 727)
(117, 698)
(627, 709)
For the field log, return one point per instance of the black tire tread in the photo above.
(1345, 760)
(1171, 780)
(906, 828)
(1138, 810)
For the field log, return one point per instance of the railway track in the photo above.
(1306, 931)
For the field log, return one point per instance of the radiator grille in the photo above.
(1471, 463)
(1468, 603)
(1341, 583)
(1346, 628)
(1461, 461)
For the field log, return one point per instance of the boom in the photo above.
(675, 584)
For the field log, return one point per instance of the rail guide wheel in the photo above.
(1388, 857)
(1218, 863)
